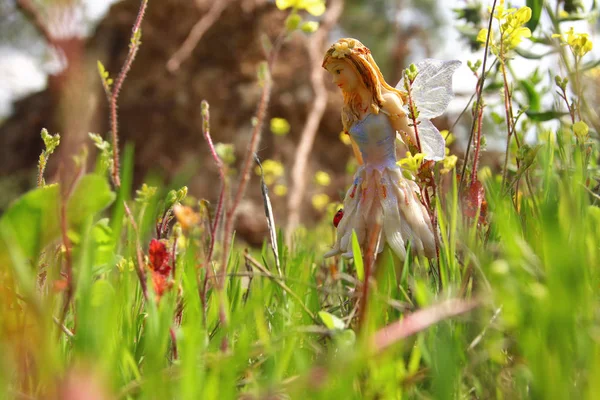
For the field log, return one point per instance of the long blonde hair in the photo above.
(359, 58)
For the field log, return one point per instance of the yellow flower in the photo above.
(314, 7)
(320, 201)
(448, 137)
(516, 36)
(412, 163)
(272, 170)
(579, 43)
(322, 178)
(482, 35)
(512, 29)
(280, 126)
(580, 129)
(449, 164)
(309, 27)
(280, 190)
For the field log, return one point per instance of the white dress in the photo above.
(380, 191)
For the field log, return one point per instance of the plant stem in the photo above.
(222, 174)
(479, 93)
(134, 46)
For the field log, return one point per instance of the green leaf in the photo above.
(34, 218)
(536, 12)
(541, 116)
(345, 339)
(101, 292)
(358, 260)
(331, 321)
(533, 98)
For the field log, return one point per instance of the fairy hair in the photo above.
(359, 58)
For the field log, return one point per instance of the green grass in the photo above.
(534, 334)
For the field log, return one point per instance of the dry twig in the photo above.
(195, 35)
(315, 51)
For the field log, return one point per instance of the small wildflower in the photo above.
(320, 201)
(186, 216)
(412, 163)
(160, 266)
(145, 193)
(579, 43)
(322, 178)
(280, 190)
(580, 129)
(448, 137)
(314, 7)
(449, 163)
(272, 170)
(309, 27)
(512, 29)
(280, 126)
(292, 22)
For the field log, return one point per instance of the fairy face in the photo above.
(343, 75)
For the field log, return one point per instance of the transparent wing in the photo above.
(432, 88)
(433, 144)
(432, 91)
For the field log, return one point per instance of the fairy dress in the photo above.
(379, 191)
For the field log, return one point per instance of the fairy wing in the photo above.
(433, 144)
(431, 92)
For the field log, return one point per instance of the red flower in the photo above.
(160, 266)
(159, 257)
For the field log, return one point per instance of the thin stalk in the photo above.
(507, 109)
(133, 49)
(479, 93)
(222, 174)
(478, 145)
(412, 113)
(254, 263)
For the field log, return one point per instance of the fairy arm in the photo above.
(393, 107)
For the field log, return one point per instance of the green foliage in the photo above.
(51, 142)
(106, 153)
(33, 221)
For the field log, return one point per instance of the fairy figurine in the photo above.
(373, 114)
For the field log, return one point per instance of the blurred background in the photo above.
(210, 50)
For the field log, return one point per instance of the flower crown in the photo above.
(344, 48)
